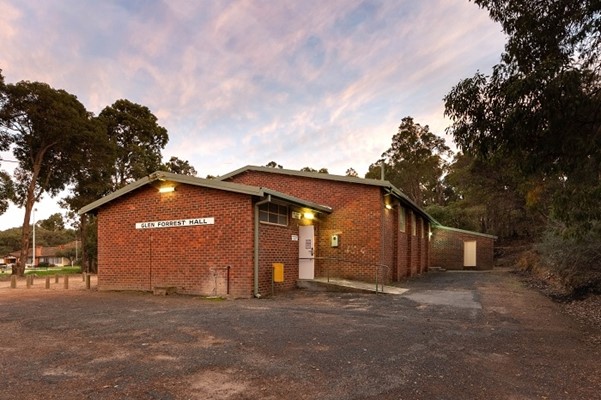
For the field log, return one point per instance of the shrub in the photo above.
(576, 261)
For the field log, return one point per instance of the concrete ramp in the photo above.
(346, 285)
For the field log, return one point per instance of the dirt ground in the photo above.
(453, 335)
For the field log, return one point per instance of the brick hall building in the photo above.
(223, 237)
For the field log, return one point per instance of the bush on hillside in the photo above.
(575, 261)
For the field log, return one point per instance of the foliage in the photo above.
(90, 245)
(491, 197)
(138, 141)
(131, 149)
(69, 253)
(577, 262)
(10, 239)
(320, 171)
(540, 108)
(42, 124)
(351, 172)
(273, 164)
(178, 166)
(53, 223)
(415, 163)
(6, 191)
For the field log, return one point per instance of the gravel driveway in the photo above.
(451, 336)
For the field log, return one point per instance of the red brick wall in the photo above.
(447, 249)
(403, 246)
(357, 219)
(277, 246)
(369, 233)
(193, 259)
(389, 249)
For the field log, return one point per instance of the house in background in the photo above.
(58, 256)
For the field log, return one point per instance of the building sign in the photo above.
(175, 223)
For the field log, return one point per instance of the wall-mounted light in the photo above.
(308, 215)
(166, 189)
(388, 206)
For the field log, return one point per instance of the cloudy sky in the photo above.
(236, 82)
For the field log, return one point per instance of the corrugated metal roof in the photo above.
(208, 183)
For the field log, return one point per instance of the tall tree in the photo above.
(540, 109)
(309, 169)
(50, 131)
(90, 184)
(415, 163)
(273, 164)
(6, 183)
(179, 166)
(53, 223)
(351, 172)
(490, 197)
(138, 140)
(132, 150)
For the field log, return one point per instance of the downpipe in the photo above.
(256, 244)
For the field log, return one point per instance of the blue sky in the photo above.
(303, 83)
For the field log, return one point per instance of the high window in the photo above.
(273, 214)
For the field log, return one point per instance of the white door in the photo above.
(306, 252)
(469, 254)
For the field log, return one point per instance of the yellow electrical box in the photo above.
(278, 272)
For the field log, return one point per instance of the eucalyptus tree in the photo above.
(50, 133)
(540, 109)
(179, 166)
(138, 141)
(415, 163)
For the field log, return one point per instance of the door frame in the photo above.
(470, 253)
(306, 252)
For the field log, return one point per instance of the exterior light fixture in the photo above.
(166, 189)
(388, 206)
(308, 215)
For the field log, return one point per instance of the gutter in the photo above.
(256, 249)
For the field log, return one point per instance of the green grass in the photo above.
(53, 271)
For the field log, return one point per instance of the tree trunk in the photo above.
(29, 202)
(82, 235)
(20, 266)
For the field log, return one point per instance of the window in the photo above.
(413, 222)
(273, 214)
(401, 219)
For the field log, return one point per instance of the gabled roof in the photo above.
(337, 178)
(161, 176)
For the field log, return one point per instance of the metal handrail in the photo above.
(368, 264)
